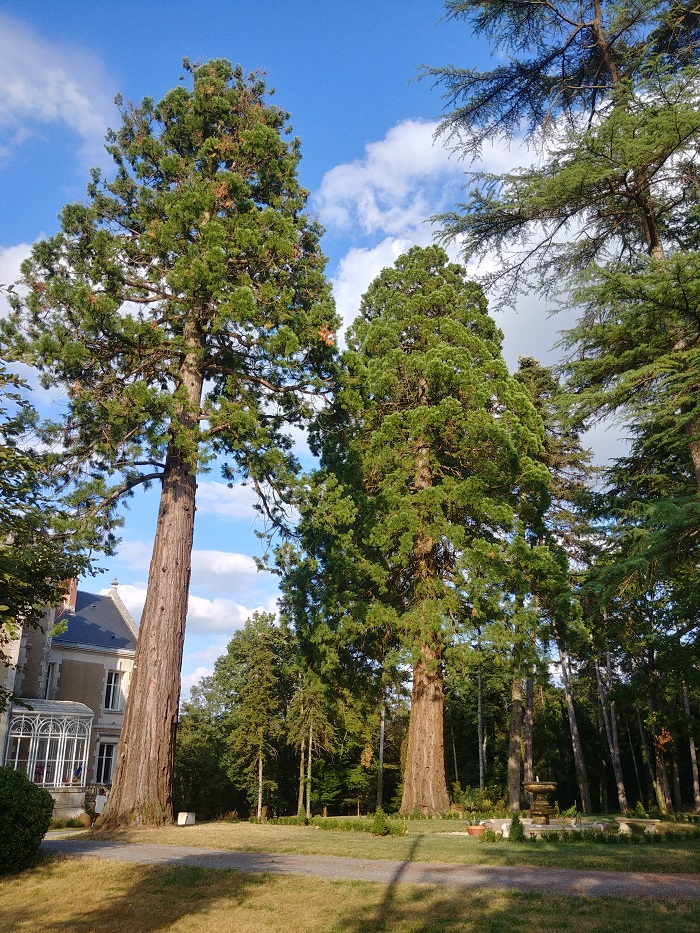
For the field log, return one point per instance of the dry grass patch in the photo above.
(86, 895)
(421, 846)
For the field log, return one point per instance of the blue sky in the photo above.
(346, 71)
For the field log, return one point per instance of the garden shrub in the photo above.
(380, 823)
(517, 832)
(25, 815)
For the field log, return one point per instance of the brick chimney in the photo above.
(70, 596)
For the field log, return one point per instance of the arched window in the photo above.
(49, 742)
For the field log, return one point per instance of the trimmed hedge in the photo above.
(25, 814)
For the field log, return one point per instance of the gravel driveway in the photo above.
(467, 877)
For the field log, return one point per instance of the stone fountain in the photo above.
(540, 808)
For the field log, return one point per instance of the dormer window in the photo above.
(113, 693)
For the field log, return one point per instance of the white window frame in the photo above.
(51, 750)
(113, 691)
(103, 759)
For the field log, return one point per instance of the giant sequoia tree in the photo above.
(185, 312)
(427, 457)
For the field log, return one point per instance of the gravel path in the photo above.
(467, 877)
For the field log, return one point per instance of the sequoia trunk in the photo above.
(142, 789)
(424, 785)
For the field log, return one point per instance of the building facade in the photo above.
(70, 679)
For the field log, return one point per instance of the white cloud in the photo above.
(222, 563)
(11, 258)
(219, 616)
(357, 269)
(191, 680)
(50, 83)
(233, 502)
(398, 183)
(214, 573)
(135, 554)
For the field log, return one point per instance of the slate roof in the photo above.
(98, 623)
(51, 707)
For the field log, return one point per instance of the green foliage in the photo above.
(39, 546)
(199, 244)
(184, 311)
(25, 814)
(380, 823)
(243, 703)
(428, 460)
(517, 831)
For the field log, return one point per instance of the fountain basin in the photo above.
(540, 809)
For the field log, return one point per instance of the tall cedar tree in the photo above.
(428, 453)
(184, 309)
(608, 92)
(566, 535)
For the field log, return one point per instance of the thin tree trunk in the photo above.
(302, 760)
(677, 797)
(603, 760)
(380, 769)
(634, 762)
(693, 754)
(527, 735)
(308, 771)
(613, 745)
(577, 748)
(659, 769)
(514, 743)
(480, 729)
(663, 778)
(142, 787)
(260, 785)
(454, 748)
(424, 785)
(647, 758)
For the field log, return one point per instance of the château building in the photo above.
(70, 678)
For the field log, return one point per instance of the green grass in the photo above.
(427, 841)
(86, 895)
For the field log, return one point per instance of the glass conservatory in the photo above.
(49, 740)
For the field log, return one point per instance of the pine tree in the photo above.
(185, 312)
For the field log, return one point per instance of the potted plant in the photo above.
(475, 828)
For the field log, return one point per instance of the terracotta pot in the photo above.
(476, 830)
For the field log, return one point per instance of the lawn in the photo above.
(82, 896)
(429, 841)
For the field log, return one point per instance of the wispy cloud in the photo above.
(233, 502)
(220, 616)
(42, 82)
(396, 186)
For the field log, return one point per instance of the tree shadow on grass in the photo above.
(129, 898)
